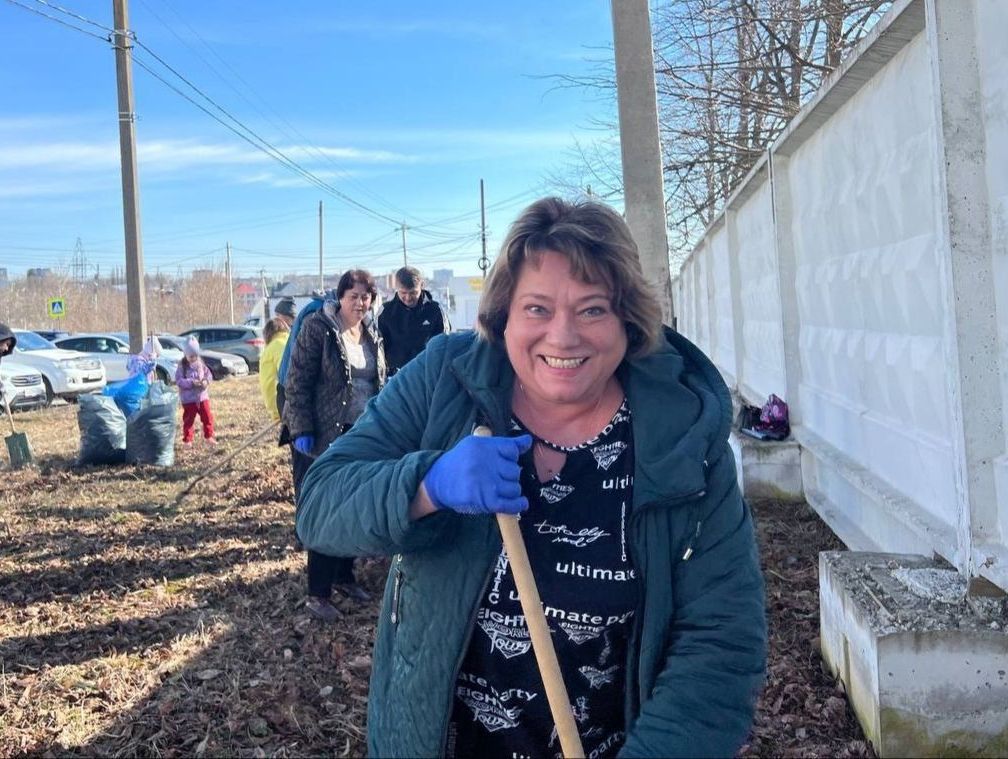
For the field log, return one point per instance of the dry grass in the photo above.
(131, 628)
(127, 627)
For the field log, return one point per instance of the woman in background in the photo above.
(275, 333)
(336, 365)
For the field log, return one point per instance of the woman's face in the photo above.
(562, 336)
(354, 303)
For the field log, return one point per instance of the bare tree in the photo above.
(99, 305)
(730, 75)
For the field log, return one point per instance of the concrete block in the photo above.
(925, 666)
(768, 468)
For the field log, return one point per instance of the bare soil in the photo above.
(129, 626)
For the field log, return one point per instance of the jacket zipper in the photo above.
(396, 588)
(464, 650)
(634, 648)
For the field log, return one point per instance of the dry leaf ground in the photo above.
(130, 627)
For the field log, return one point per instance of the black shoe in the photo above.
(322, 608)
(353, 591)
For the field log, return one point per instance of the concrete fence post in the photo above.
(966, 256)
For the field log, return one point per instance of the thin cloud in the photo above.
(174, 155)
(62, 155)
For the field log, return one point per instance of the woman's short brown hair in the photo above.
(597, 242)
(353, 277)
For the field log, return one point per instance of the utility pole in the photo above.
(643, 191)
(484, 262)
(136, 306)
(403, 227)
(230, 280)
(321, 275)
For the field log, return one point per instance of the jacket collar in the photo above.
(330, 314)
(486, 374)
(677, 384)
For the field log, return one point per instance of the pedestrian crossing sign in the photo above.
(57, 308)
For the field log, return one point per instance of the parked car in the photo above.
(65, 373)
(114, 352)
(220, 364)
(51, 334)
(22, 387)
(243, 341)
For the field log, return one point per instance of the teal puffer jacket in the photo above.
(698, 651)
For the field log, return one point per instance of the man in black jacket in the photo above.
(409, 320)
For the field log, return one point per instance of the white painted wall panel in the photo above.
(688, 327)
(861, 225)
(723, 337)
(703, 325)
(992, 20)
(865, 226)
(761, 366)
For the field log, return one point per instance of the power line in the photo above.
(238, 128)
(258, 142)
(77, 16)
(263, 144)
(318, 152)
(58, 20)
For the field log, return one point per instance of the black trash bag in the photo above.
(102, 430)
(150, 432)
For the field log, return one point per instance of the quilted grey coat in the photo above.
(318, 387)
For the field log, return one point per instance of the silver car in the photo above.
(243, 341)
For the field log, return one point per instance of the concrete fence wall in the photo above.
(861, 273)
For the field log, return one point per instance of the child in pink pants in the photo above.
(193, 378)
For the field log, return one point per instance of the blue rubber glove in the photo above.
(479, 476)
(304, 444)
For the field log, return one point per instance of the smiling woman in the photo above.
(611, 441)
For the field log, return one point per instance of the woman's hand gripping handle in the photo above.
(542, 644)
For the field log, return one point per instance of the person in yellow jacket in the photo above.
(275, 333)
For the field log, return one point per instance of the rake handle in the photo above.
(542, 643)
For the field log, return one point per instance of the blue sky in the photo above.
(402, 106)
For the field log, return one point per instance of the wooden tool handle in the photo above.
(10, 416)
(542, 643)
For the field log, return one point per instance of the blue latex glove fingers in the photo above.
(304, 444)
(480, 475)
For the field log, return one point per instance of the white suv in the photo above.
(21, 387)
(65, 374)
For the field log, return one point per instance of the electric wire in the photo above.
(77, 16)
(259, 142)
(428, 229)
(316, 150)
(57, 20)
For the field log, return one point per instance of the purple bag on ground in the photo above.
(774, 419)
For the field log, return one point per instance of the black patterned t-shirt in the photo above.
(575, 530)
